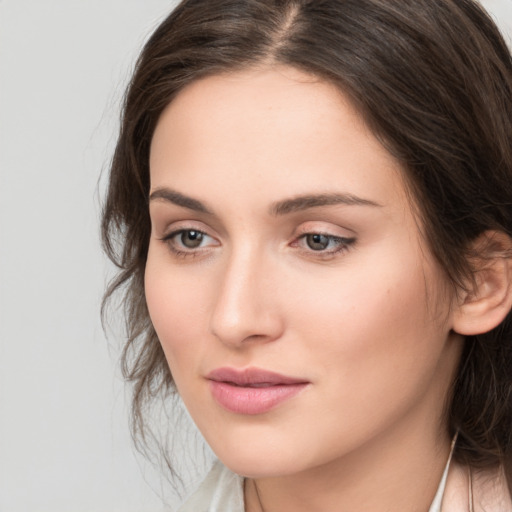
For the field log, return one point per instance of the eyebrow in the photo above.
(295, 204)
(178, 199)
(305, 202)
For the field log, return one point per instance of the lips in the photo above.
(252, 391)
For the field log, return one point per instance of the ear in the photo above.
(488, 299)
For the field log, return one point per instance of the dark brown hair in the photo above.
(433, 80)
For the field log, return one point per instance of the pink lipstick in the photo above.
(252, 391)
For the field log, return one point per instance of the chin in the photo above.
(261, 457)
(260, 466)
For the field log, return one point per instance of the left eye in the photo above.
(319, 242)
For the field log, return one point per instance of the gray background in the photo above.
(64, 444)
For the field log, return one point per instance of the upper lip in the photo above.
(251, 377)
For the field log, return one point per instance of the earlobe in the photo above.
(488, 299)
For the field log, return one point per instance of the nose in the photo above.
(245, 307)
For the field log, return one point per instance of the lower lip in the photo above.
(248, 400)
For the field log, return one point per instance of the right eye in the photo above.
(186, 241)
(190, 238)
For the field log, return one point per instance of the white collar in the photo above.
(438, 498)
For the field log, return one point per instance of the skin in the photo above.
(367, 322)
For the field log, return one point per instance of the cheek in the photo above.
(375, 320)
(372, 349)
(175, 309)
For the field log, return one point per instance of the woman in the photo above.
(311, 206)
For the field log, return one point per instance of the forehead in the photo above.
(272, 130)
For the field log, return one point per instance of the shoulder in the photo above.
(490, 491)
(220, 491)
(476, 490)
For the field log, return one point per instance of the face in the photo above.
(301, 314)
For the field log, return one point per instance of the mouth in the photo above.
(252, 391)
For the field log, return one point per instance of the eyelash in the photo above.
(342, 244)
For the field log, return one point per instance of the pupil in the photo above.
(191, 239)
(317, 242)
